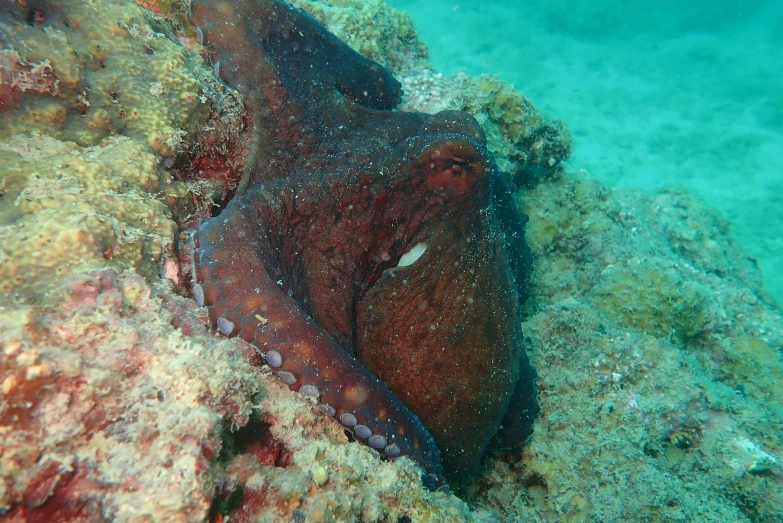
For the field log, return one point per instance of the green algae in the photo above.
(653, 300)
(753, 363)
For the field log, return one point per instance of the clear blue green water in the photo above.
(657, 94)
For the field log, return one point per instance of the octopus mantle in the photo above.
(375, 258)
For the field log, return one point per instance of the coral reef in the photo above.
(104, 404)
(88, 70)
(68, 210)
(109, 412)
(18, 77)
(319, 475)
(659, 356)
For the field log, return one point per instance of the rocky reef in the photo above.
(657, 351)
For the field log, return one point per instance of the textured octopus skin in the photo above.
(420, 359)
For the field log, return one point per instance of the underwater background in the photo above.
(656, 94)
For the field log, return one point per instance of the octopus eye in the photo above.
(458, 166)
(455, 164)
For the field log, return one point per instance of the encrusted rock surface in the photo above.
(657, 355)
(109, 412)
(68, 210)
(111, 69)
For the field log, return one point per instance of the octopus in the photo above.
(375, 258)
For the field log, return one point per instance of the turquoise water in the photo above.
(657, 94)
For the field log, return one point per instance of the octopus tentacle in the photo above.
(242, 300)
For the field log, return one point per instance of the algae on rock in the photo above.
(118, 71)
(68, 210)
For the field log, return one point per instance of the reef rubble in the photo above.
(659, 354)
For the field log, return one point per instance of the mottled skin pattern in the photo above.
(303, 262)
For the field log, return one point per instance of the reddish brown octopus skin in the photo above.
(422, 360)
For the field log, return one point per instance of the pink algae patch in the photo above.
(103, 400)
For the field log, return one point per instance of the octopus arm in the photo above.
(241, 298)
